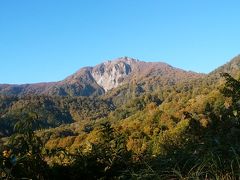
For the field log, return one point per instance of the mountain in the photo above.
(232, 67)
(98, 80)
(149, 113)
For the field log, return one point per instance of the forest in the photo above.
(189, 130)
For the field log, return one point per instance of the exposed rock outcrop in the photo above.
(112, 74)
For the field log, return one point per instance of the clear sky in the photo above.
(47, 40)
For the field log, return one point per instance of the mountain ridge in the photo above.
(99, 79)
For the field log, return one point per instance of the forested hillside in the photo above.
(164, 123)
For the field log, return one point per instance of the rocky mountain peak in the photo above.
(97, 80)
(112, 74)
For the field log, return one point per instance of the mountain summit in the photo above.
(104, 77)
(112, 74)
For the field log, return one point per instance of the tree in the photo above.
(23, 156)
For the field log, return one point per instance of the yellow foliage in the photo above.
(138, 146)
(174, 137)
(66, 142)
(204, 122)
(52, 144)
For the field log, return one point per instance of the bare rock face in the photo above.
(112, 74)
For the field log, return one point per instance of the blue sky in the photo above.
(47, 40)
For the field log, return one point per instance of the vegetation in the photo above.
(52, 111)
(188, 131)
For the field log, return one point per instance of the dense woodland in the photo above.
(142, 130)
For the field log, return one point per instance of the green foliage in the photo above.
(23, 157)
(52, 111)
(185, 132)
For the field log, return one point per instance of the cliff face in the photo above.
(112, 74)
